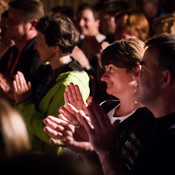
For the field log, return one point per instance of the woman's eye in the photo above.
(111, 68)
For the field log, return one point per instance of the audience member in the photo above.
(77, 53)
(66, 10)
(3, 7)
(151, 9)
(155, 89)
(120, 60)
(108, 10)
(5, 41)
(13, 132)
(88, 25)
(23, 16)
(132, 24)
(56, 39)
(164, 24)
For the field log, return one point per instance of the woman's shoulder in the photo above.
(108, 105)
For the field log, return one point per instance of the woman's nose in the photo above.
(104, 76)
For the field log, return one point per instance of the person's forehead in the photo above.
(87, 13)
(16, 14)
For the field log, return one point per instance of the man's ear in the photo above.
(56, 48)
(97, 23)
(34, 23)
(166, 78)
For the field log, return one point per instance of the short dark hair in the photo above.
(165, 44)
(112, 7)
(125, 53)
(89, 6)
(31, 9)
(59, 30)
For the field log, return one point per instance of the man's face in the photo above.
(17, 27)
(107, 24)
(87, 23)
(148, 79)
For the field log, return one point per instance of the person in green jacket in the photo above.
(56, 39)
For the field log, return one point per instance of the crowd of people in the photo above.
(88, 93)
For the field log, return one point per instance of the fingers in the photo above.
(53, 133)
(73, 93)
(69, 114)
(92, 113)
(20, 85)
(20, 81)
(98, 117)
(86, 125)
(66, 99)
(89, 100)
(4, 84)
(73, 96)
(78, 93)
(57, 128)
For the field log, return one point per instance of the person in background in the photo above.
(3, 8)
(108, 10)
(57, 36)
(151, 10)
(164, 24)
(23, 16)
(5, 41)
(132, 24)
(13, 132)
(88, 24)
(77, 53)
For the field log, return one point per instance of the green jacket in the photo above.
(49, 105)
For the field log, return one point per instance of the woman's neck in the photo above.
(126, 107)
(57, 62)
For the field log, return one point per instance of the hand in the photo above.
(69, 114)
(79, 55)
(6, 86)
(74, 97)
(65, 132)
(104, 44)
(101, 135)
(22, 89)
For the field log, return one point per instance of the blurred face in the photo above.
(107, 24)
(87, 23)
(46, 52)
(148, 78)
(17, 27)
(118, 81)
(121, 31)
(149, 8)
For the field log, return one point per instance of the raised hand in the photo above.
(101, 135)
(74, 97)
(6, 86)
(64, 134)
(22, 89)
(69, 114)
